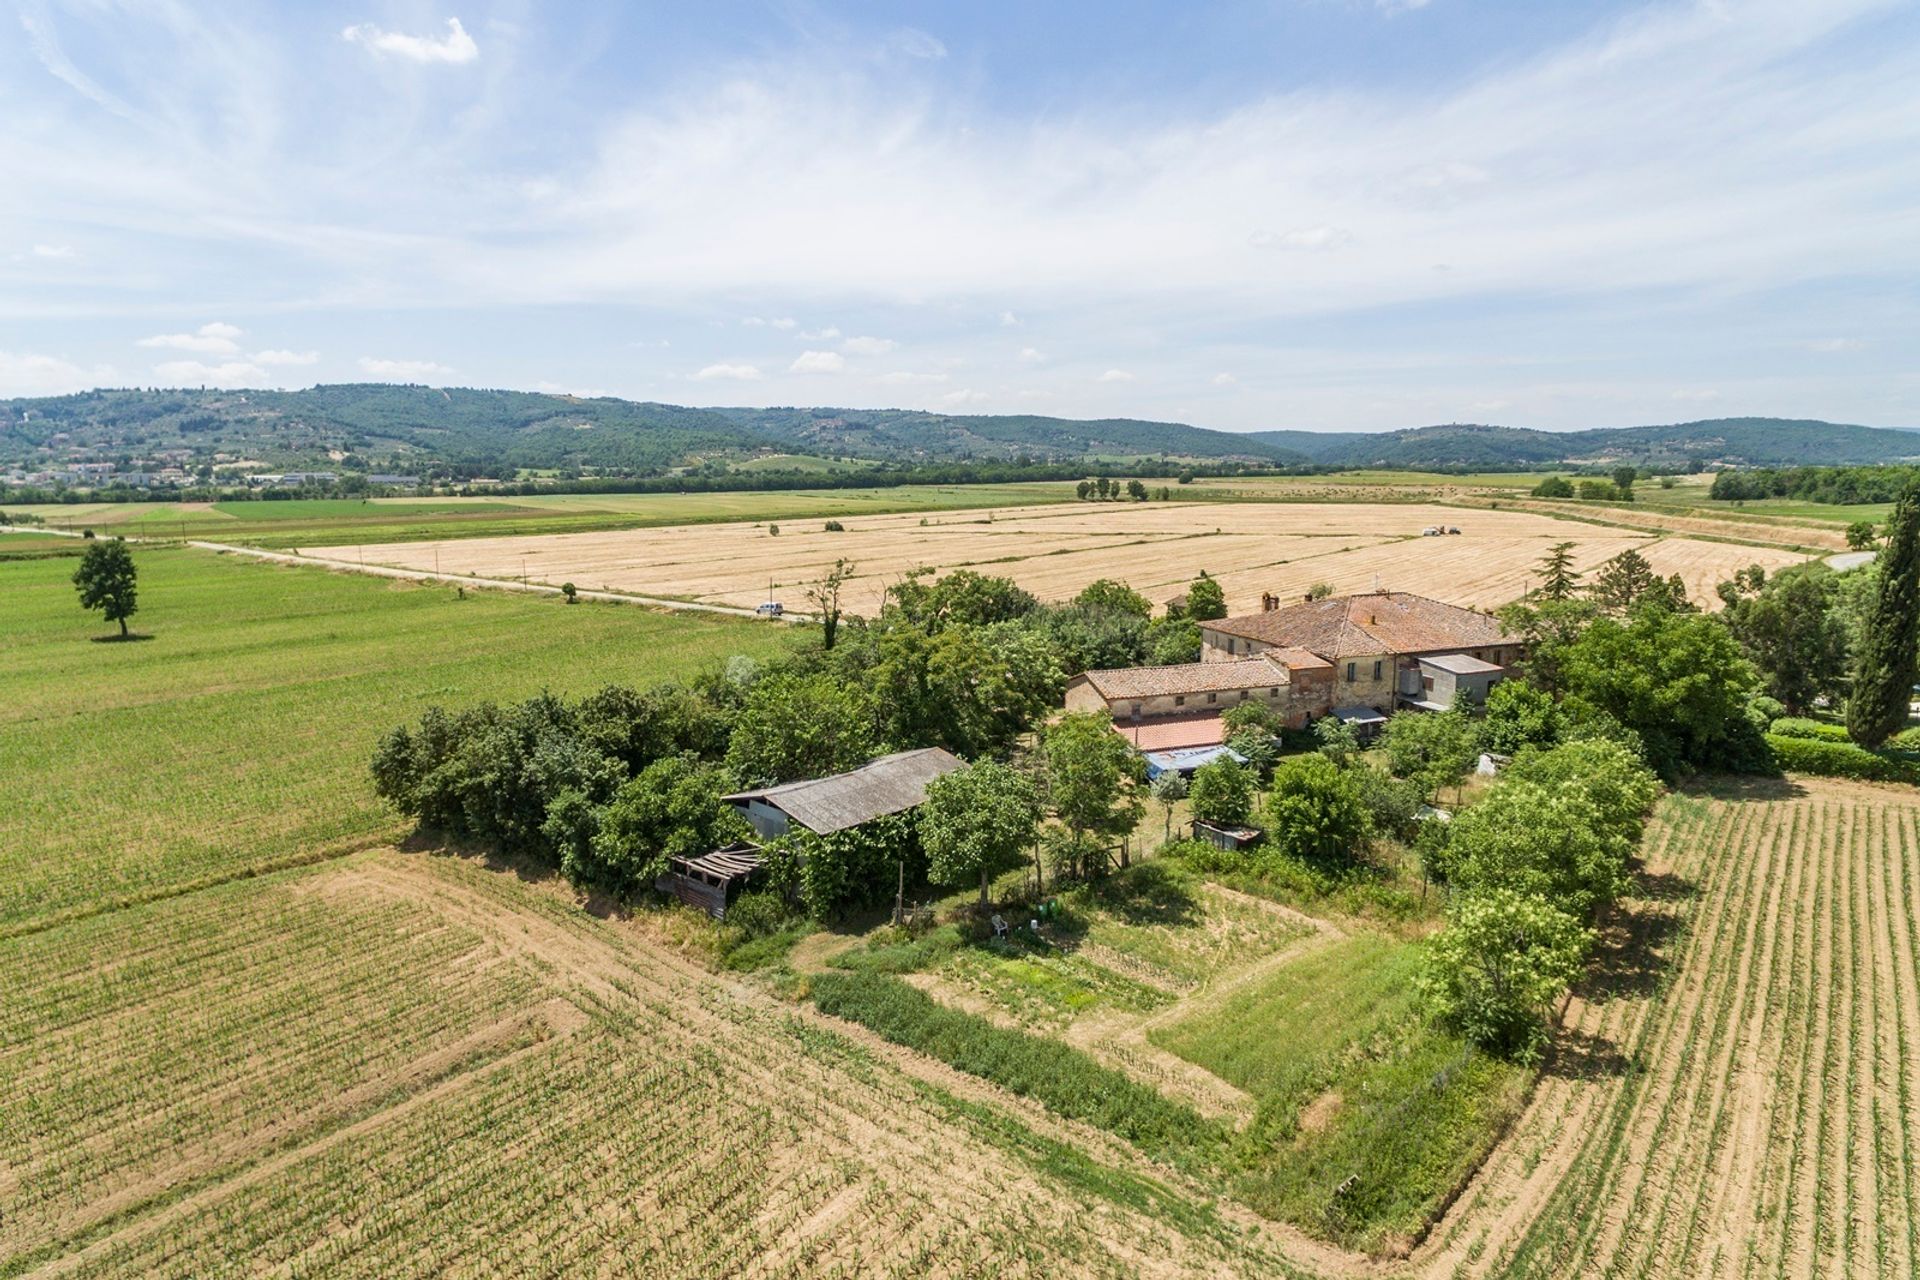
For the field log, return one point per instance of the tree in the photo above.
(1622, 581)
(825, 597)
(1336, 739)
(1136, 490)
(1792, 629)
(1221, 793)
(1549, 840)
(1884, 672)
(1608, 773)
(800, 726)
(1092, 777)
(1112, 595)
(1432, 750)
(1860, 535)
(1520, 715)
(1558, 577)
(1170, 788)
(1205, 599)
(1553, 487)
(1547, 629)
(1319, 591)
(1623, 478)
(671, 809)
(1083, 490)
(105, 580)
(1314, 809)
(978, 822)
(1251, 714)
(1678, 680)
(568, 590)
(1498, 966)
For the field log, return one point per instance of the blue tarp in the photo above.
(1185, 760)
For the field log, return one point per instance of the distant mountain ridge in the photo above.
(1770, 442)
(384, 427)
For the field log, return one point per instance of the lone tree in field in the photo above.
(1883, 678)
(825, 596)
(978, 822)
(568, 590)
(1558, 577)
(105, 581)
(1860, 535)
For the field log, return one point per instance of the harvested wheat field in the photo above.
(1734, 1092)
(1253, 548)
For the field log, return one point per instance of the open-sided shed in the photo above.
(712, 880)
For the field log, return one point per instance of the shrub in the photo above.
(1314, 809)
(1251, 714)
(759, 915)
(1817, 730)
(1494, 971)
(1390, 802)
(1258, 747)
(834, 526)
(1533, 840)
(1840, 760)
(1222, 793)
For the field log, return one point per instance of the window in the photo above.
(1376, 671)
(1243, 695)
(1229, 646)
(1180, 700)
(1274, 692)
(1426, 682)
(1213, 697)
(1351, 667)
(1136, 708)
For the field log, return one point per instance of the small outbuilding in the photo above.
(1184, 760)
(890, 784)
(1445, 679)
(713, 880)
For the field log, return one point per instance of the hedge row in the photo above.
(1840, 760)
(1061, 1078)
(1814, 730)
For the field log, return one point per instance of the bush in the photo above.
(1314, 810)
(1390, 802)
(1536, 840)
(1840, 760)
(1262, 752)
(834, 526)
(1494, 971)
(1816, 730)
(759, 915)
(1222, 793)
(1610, 775)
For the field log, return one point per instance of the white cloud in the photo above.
(1830, 346)
(761, 322)
(1116, 375)
(784, 322)
(55, 251)
(25, 373)
(286, 357)
(868, 346)
(403, 370)
(818, 362)
(228, 373)
(1224, 379)
(1008, 320)
(910, 42)
(729, 373)
(1032, 355)
(902, 378)
(827, 334)
(214, 339)
(1301, 238)
(453, 48)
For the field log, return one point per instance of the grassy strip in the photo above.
(1062, 1079)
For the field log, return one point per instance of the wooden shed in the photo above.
(890, 784)
(712, 880)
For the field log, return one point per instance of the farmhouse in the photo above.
(890, 784)
(1167, 708)
(1387, 649)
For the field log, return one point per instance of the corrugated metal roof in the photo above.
(1359, 626)
(891, 784)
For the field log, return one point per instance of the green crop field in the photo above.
(238, 736)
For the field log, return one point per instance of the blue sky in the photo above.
(1321, 214)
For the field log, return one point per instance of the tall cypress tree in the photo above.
(1890, 644)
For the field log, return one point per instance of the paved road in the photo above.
(1851, 559)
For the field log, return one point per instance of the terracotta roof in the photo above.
(1190, 677)
(891, 784)
(1381, 622)
(1172, 733)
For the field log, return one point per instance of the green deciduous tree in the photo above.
(1221, 793)
(1314, 809)
(978, 822)
(1206, 599)
(1519, 714)
(824, 595)
(1114, 596)
(1432, 750)
(1092, 778)
(1553, 487)
(106, 581)
(1497, 968)
(671, 809)
(1792, 629)
(1884, 668)
(1860, 535)
(1553, 841)
(800, 726)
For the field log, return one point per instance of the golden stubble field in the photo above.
(1054, 551)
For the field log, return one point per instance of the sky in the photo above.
(1308, 214)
